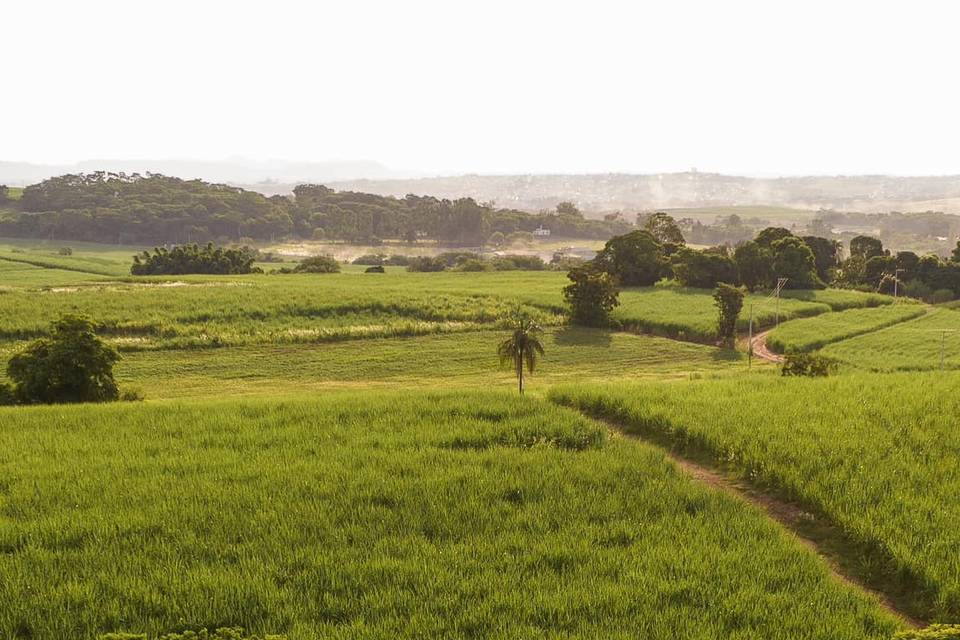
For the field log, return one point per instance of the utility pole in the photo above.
(780, 283)
(896, 281)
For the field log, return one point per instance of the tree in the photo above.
(72, 365)
(664, 229)
(865, 247)
(592, 295)
(729, 302)
(568, 209)
(634, 259)
(754, 265)
(793, 259)
(826, 255)
(768, 236)
(523, 347)
(703, 269)
(318, 264)
(955, 255)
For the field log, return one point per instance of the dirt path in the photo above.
(799, 524)
(761, 350)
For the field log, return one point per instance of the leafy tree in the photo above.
(568, 209)
(955, 255)
(72, 365)
(793, 259)
(729, 302)
(592, 295)
(664, 229)
(523, 347)
(754, 265)
(634, 259)
(826, 255)
(703, 269)
(865, 247)
(192, 258)
(318, 264)
(768, 236)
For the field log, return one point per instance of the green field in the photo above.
(916, 345)
(809, 334)
(876, 455)
(398, 516)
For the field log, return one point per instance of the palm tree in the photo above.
(523, 347)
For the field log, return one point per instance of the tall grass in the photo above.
(403, 516)
(809, 334)
(877, 455)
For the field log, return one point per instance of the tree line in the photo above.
(156, 209)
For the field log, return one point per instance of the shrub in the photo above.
(131, 395)
(318, 234)
(192, 258)
(65, 251)
(457, 258)
(518, 263)
(397, 261)
(6, 395)
(520, 237)
(933, 632)
(940, 296)
(426, 264)
(496, 239)
(812, 365)
(318, 264)
(729, 302)
(592, 295)
(73, 365)
(370, 259)
(377, 268)
(475, 265)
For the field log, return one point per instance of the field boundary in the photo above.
(811, 530)
(50, 265)
(855, 333)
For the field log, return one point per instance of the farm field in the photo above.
(876, 455)
(401, 516)
(466, 359)
(915, 345)
(809, 334)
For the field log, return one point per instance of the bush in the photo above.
(426, 264)
(369, 259)
(496, 239)
(592, 295)
(65, 251)
(933, 632)
(520, 237)
(6, 395)
(475, 265)
(73, 365)
(397, 261)
(318, 264)
(940, 296)
(729, 302)
(192, 258)
(377, 268)
(131, 395)
(518, 263)
(457, 258)
(318, 234)
(812, 365)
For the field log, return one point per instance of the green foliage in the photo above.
(377, 268)
(592, 295)
(426, 264)
(811, 365)
(933, 632)
(523, 348)
(72, 365)
(221, 633)
(754, 265)
(318, 264)
(767, 237)
(664, 229)
(826, 255)
(729, 302)
(192, 258)
(703, 269)
(793, 259)
(7, 397)
(474, 265)
(65, 251)
(384, 515)
(634, 259)
(873, 455)
(865, 247)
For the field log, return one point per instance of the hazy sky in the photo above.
(763, 87)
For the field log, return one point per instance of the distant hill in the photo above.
(629, 192)
(232, 171)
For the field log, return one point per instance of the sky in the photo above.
(448, 87)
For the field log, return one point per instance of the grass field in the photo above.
(809, 334)
(690, 314)
(915, 345)
(398, 516)
(876, 455)
(460, 360)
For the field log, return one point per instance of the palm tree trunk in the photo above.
(520, 370)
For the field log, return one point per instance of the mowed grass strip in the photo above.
(876, 455)
(465, 359)
(396, 516)
(917, 345)
(809, 334)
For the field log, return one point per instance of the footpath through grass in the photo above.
(876, 455)
(401, 516)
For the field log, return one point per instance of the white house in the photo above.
(541, 232)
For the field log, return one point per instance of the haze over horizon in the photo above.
(425, 88)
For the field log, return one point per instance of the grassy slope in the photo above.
(809, 334)
(878, 455)
(413, 516)
(453, 360)
(910, 346)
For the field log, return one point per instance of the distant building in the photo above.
(541, 232)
